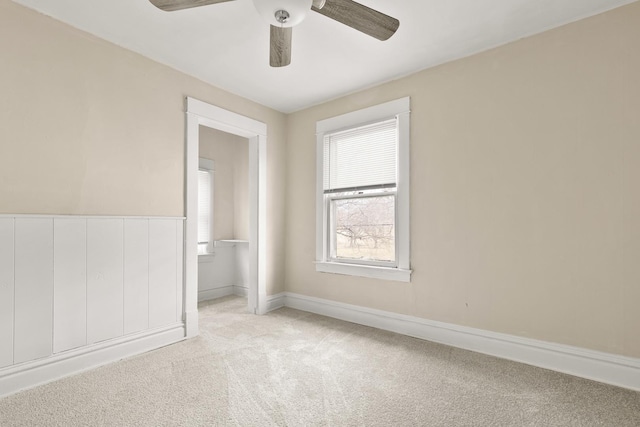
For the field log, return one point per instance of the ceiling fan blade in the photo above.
(171, 5)
(359, 17)
(280, 55)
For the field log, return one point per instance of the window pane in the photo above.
(365, 228)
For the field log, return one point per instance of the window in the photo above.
(205, 206)
(359, 186)
(363, 193)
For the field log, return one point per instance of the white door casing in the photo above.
(198, 114)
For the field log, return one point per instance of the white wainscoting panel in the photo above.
(136, 275)
(179, 270)
(33, 289)
(6, 292)
(162, 272)
(80, 291)
(69, 284)
(105, 282)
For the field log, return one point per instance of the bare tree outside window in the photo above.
(365, 228)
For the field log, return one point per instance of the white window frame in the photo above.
(208, 166)
(401, 271)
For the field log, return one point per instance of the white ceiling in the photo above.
(227, 44)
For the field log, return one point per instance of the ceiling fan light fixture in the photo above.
(274, 11)
(281, 15)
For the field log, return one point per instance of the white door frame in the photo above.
(200, 113)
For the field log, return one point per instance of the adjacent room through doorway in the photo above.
(223, 215)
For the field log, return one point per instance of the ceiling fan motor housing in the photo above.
(275, 11)
(282, 16)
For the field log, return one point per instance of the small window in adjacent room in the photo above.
(363, 193)
(205, 206)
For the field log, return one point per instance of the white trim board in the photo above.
(223, 291)
(598, 366)
(276, 301)
(199, 113)
(241, 291)
(31, 374)
(219, 292)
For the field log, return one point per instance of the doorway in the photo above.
(223, 215)
(198, 114)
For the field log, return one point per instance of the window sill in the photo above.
(382, 273)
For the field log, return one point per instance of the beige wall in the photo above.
(89, 128)
(525, 213)
(230, 154)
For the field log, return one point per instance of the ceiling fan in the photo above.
(284, 14)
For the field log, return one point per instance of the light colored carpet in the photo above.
(291, 368)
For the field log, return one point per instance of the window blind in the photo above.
(361, 158)
(204, 206)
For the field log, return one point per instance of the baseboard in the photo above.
(31, 374)
(603, 367)
(276, 301)
(220, 292)
(240, 291)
